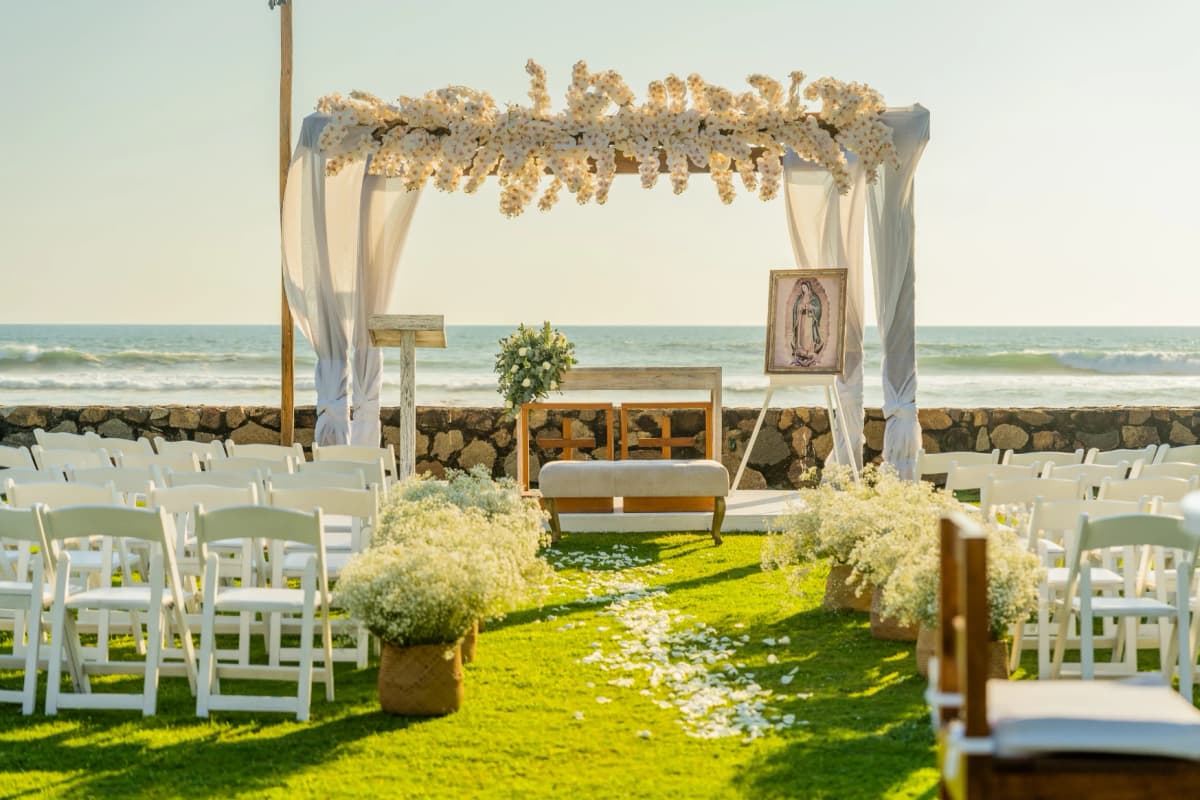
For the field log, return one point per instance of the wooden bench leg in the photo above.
(555, 527)
(718, 518)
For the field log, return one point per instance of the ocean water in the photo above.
(957, 366)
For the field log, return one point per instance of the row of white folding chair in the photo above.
(1170, 490)
(972, 477)
(1168, 469)
(162, 595)
(1041, 458)
(61, 459)
(91, 441)
(1092, 475)
(1132, 533)
(1168, 453)
(360, 454)
(25, 594)
(1129, 454)
(204, 451)
(940, 463)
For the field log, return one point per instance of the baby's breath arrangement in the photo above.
(1013, 577)
(530, 364)
(458, 135)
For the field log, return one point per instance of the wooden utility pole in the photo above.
(287, 344)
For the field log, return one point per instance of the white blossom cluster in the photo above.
(682, 665)
(457, 135)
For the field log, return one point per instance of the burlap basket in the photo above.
(469, 642)
(885, 627)
(841, 595)
(420, 681)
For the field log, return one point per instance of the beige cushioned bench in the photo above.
(665, 478)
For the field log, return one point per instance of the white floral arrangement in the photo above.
(414, 593)
(497, 498)
(1014, 574)
(457, 135)
(530, 365)
(864, 524)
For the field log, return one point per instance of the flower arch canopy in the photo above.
(457, 136)
(359, 162)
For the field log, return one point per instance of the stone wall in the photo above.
(791, 440)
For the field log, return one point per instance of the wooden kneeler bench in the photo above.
(675, 482)
(1082, 740)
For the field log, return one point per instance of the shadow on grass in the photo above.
(859, 708)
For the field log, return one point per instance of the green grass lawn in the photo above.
(860, 727)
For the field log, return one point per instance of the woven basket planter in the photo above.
(840, 595)
(420, 681)
(885, 627)
(469, 643)
(927, 649)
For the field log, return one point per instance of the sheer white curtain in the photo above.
(320, 260)
(387, 211)
(892, 226)
(826, 230)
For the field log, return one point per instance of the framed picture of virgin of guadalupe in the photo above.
(806, 322)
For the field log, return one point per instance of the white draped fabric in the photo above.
(320, 259)
(826, 230)
(892, 227)
(342, 239)
(387, 212)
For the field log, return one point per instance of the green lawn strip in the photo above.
(866, 733)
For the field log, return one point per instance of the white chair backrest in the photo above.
(351, 452)
(214, 449)
(361, 505)
(19, 527)
(318, 480)
(115, 447)
(1023, 491)
(1168, 453)
(185, 462)
(66, 441)
(1137, 529)
(83, 459)
(1042, 457)
(16, 457)
(75, 522)
(1111, 457)
(1170, 490)
(975, 476)
(246, 464)
(184, 499)
(1052, 518)
(127, 480)
(210, 478)
(1167, 469)
(939, 463)
(274, 525)
(58, 495)
(1092, 475)
(273, 452)
(31, 476)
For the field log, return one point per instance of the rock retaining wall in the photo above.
(791, 440)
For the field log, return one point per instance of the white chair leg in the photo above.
(54, 659)
(327, 645)
(34, 631)
(1087, 655)
(304, 681)
(154, 622)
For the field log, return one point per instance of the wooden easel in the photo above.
(837, 423)
(408, 332)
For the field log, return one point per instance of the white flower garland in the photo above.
(458, 133)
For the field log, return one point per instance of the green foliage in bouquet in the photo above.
(531, 364)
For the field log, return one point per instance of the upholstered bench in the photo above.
(658, 484)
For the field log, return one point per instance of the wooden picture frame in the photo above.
(806, 322)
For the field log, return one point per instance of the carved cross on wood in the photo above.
(664, 441)
(567, 443)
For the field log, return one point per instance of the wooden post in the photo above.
(406, 460)
(287, 343)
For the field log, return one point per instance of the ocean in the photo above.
(957, 366)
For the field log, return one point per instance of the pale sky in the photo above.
(140, 183)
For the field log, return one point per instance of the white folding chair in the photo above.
(16, 457)
(204, 451)
(360, 453)
(276, 526)
(118, 447)
(319, 480)
(273, 466)
(373, 472)
(1129, 455)
(157, 599)
(180, 502)
(134, 483)
(22, 475)
(1092, 475)
(1043, 457)
(61, 459)
(966, 478)
(1131, 532)
(997, 492)
(65, 441)
(234, 479)
(1168, 453)
(25, 594)
(1051, 524)
(1169, 490)
(271, 452)
(939, 463)
(1168, 469)
(184, 462)
(361, 507)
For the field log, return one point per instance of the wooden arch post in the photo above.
(287, 341)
